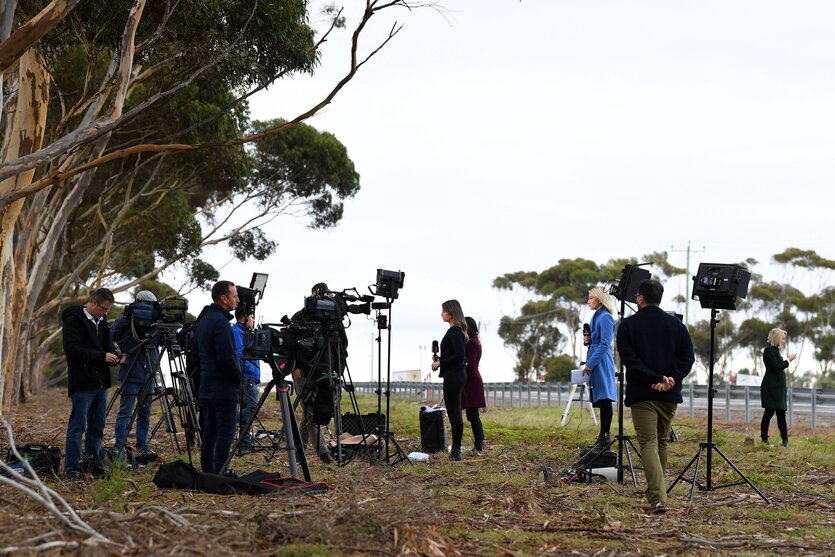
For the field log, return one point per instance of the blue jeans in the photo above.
(218, 432)
(130, 394)
(249, 400)
(89, 410)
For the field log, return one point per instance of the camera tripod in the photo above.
(177, 402)
(290, 429)
(709, 446)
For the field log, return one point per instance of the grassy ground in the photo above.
(498, 503)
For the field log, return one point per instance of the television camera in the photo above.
(146, 318)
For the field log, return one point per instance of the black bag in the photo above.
(361, 424)
(177, 475)
(109, 456)
(433, 431)
(42, 458)
(606, 459)
(182, 475)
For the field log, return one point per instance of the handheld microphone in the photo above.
(586, 334)
(435, 350)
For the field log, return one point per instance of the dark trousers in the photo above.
(606, 414)
(781, 424)
(453, 385)
(474, 418)
(218, 432)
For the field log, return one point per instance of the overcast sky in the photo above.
(502, 136)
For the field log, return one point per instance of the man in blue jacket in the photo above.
(251, 369)
(138, 365)
(89, 354)
(220, 376)
(656, 349)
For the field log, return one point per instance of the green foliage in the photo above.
(304, 164)
(558, 368)
(803, 258)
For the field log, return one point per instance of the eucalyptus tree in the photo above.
(129, 110)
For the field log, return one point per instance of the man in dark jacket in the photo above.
(657, 352)
(89, 354)
(220, 377)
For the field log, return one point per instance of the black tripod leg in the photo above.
(237, 444)
(292, 435)
(731, 464)
(629, 461)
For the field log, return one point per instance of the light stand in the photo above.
(624, 441)
(716, 286)
(709, 446)
(388, 284)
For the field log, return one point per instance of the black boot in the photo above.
(603, 440)
(457, 434)
(478, 434)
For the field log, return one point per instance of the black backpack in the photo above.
(187, 337)
(42, 458)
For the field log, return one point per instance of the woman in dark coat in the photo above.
(453, 371)
(472, 397)
(773, 390)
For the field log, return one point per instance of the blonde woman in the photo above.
(773, 390)
(600, 362)
(452, 364)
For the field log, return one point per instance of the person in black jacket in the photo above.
(220, 377)
(314, 367)
(89, 354)
(657, 352)
(453, 364)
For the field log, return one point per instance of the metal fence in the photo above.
(731, 402)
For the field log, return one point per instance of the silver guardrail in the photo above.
(814, 407)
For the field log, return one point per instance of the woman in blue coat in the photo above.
(600, 363)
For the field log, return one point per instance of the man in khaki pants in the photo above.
(657, 352)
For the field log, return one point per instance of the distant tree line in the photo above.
(547, 306)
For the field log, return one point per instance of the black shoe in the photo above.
(785, 443)
(455, 453)
(479, 447)
(75, 475)
(326, 458)
(146, 457)
(659, 508)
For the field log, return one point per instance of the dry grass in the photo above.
(495, 504)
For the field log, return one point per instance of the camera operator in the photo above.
(220, 376)
(251, 371)
(137, 364)
(309, 370)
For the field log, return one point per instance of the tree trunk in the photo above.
(24, 135)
